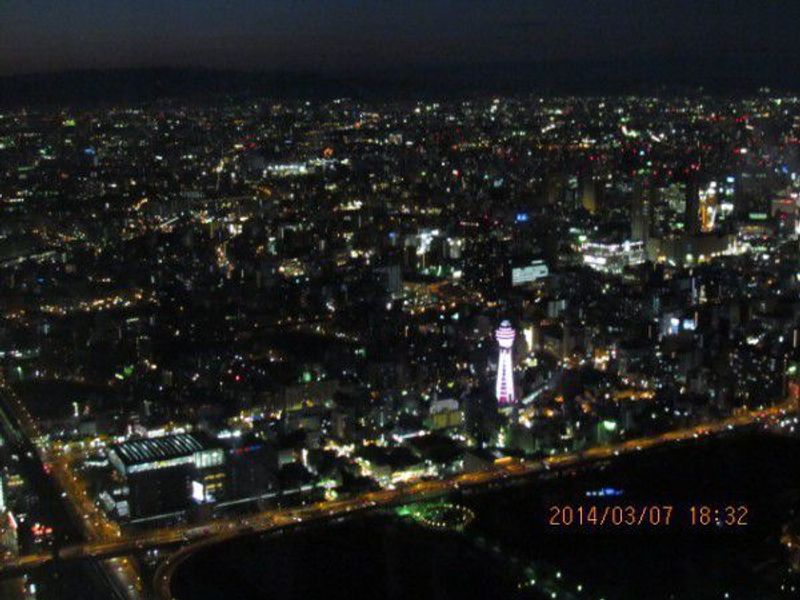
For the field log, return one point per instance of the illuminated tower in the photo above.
(505, 373)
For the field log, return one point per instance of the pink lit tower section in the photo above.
(505, 335)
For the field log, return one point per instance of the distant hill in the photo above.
(736, 73)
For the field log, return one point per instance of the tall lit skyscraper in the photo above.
(505, 335)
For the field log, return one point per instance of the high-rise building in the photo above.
(504, 387)
(390, 277)
(589, 194)
(692, 211)
(641, 208)
(252, 465)
(166, 474)
(555, 188)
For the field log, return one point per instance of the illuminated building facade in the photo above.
(529, 272)
(613, 258)
(8, 529)
(504, 386)
(165, 474)
(708, 208)
(445, 414)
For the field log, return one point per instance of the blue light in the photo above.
(604, 492)
(523, 217)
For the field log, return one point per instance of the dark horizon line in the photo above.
(739, 73)
(655, 59)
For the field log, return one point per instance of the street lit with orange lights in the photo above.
(93, 523)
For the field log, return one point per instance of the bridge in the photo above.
(90, 550)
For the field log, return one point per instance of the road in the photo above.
(92, 521)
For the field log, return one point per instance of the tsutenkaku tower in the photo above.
(504, 389)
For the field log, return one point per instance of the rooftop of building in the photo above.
(148, 450)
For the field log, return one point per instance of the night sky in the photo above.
(338, 36)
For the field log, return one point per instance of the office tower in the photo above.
(691, 217)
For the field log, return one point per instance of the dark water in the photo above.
(511, 542)
(678, 561)
(370, 558)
